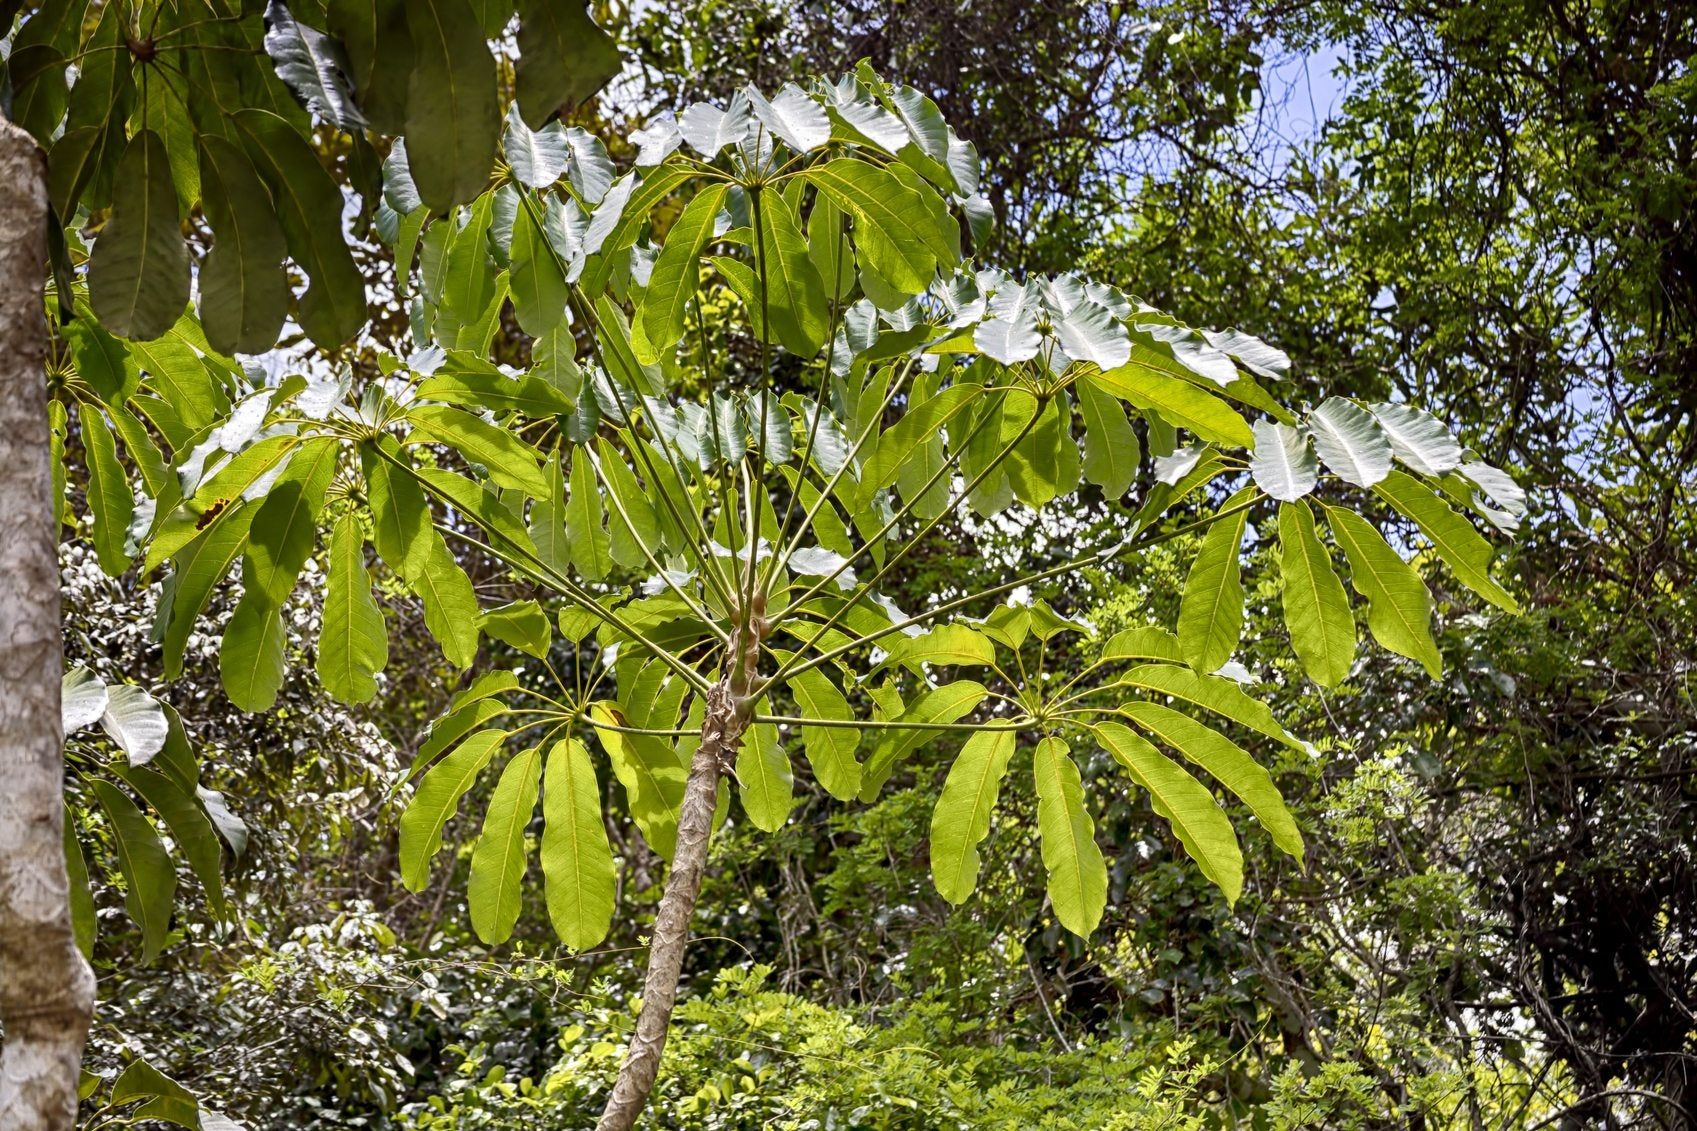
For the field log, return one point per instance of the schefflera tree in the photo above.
(763, 374)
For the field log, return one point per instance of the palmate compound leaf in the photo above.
(437, 800)
(577, 862)
(1210, 618)
(138, 272)
(1399, 609)
(961, 818)
(1195, 817)
(1316, 608)
(1227, 762)
(499, 859)
(1078, 876)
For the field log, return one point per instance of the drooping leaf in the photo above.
(354, 643)
(499, 859)
(1210, 618)
(138, 272)
(893, 232)
(109, 494)
(764, 778)
(83, 922)
(652, 774)
(1460, 546)
(538, 283)
(1229, 764)
(794, 292)
(333, 307)
(150, 882)
(1399, 609)
(1078, 876)
(1196, 819)
(830, 750)
(244, 293)
(1316, 608)
(1111, 450)
(577, 863)
(313, 66)
(453, 116)
(190, 828)
(251, 657)
(436, 802)
(564, 58)
(587, 538)
(961, 818)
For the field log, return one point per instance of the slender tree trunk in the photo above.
(46, 989)
(721, 733)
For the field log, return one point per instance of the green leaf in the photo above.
(564, 58)
(1399, 610)
(1111, 450)
(199, 566)
(946, 704)
(1212, 693)
(332, 309)
(584, 532)
(1461, 547)
(1227, 762)
(499, 859)
(1145, 642)
(920, 423)
(1418, 438)
(510, 461)
(284, 529)
(676, 272)
(354, 644)
(191, 829)
(1317, 613)
(251, 656)
(521, 624)
(138, 272)
(830, 750)
(548, 519)
(961, 818)
(1351, 441)
(1078, 877)
(795, 295)
(658, 184)
(496, 392)
(313, 66)
(450, 603)
(1283, 465)
(1179, 402)
(631, 521)
(453, 117)
(135, 721)
(764, 778)
(1044, 464)
(436, 802)
(150, 882)
(890, 221)
(1196, 818)
(652, 774)
(167, 1100)
(944, 644)
(455, 725)
(828, 247)
(109, 495)
(577, 863)
(83, 922)
(1210, 618)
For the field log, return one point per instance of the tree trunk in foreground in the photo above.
(46, 989)
(721, 732)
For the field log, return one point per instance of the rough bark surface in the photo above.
(46, 989)
(721, 731)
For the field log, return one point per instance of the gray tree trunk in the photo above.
(721, 734)
(46, 989)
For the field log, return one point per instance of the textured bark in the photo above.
(46, 989)
(721, 732)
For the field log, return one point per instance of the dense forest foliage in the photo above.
(1450, 884)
